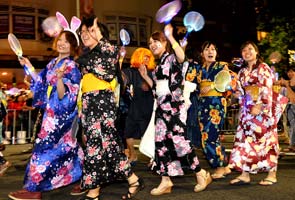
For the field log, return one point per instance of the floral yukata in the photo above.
(104, 158)
(256, 146)
(211, 113)
(193, 129)
(56, 158)
(173, 150)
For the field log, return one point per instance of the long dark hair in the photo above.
(88, 22)
(259, 58)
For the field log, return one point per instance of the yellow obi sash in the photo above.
(276, 88)
(91, 83)
(211, 92)
(253, 91)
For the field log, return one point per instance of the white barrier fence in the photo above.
(18, 126)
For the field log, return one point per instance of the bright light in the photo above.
(4, 73)
(261, 35)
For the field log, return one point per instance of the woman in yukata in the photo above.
(173, 151)
(256, 147)
(212, 110)
(57, 158)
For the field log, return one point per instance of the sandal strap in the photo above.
(134, 184)
(203, 175)
(138, 185)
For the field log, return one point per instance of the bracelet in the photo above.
(32, 69)
(174, 45)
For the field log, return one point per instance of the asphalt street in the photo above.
(183, 186)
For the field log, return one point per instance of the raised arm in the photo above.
(180, 55)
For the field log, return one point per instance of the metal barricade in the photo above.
(231, 121)
(18, 126)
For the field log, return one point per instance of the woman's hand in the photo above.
(282, 82)
(180, 56)
(95, 31)
(168, 30)
(142, 70)
(205, 90)
(26, 62)
(122, 51)
(60, 85)
(60, 71)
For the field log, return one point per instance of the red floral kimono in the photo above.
(256, 146)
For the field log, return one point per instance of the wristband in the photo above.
(174, 45)
(32, 69)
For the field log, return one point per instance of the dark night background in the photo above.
(229, 23)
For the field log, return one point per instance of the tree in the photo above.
(280, 38)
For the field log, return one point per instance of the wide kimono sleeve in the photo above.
(45, 91)
(103, 61)
(265, 79)
(71, 80)
(39, 88)
(177, 77)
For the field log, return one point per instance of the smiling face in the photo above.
(88, 38)
(66, 44)
(158, 43)
(63, 46)
(249, 53)
(157, 47)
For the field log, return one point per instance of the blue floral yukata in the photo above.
(56, 158)
(211, 113)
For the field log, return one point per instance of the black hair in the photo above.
(88, 22)
(207, 44)
(259, 58)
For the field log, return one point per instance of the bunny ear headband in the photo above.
(75, 23)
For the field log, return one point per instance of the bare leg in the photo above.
(270, 179)
(131, 180)
(132, 152)
(244, 177)
(221, 172)
(135, 185)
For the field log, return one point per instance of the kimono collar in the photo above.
(162, 59)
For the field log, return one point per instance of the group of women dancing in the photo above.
(158, 75)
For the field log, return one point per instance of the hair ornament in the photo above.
(75, 23)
